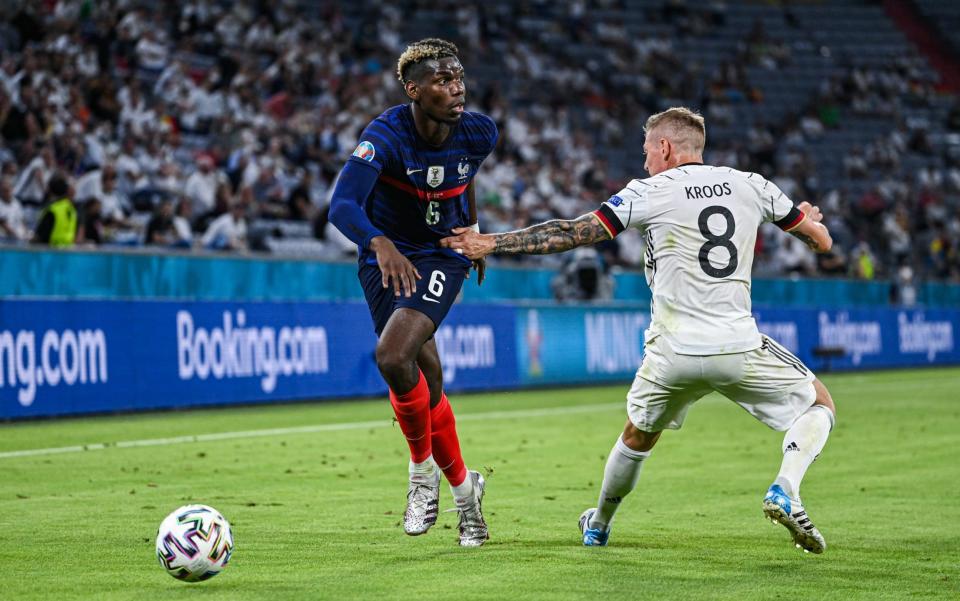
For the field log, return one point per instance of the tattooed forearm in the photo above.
(552, 237)
(810, 242)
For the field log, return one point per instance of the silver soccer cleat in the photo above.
(423, 503)
(781, 509)
(473, 529)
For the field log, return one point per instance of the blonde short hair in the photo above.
(425, 49)
(685, 128)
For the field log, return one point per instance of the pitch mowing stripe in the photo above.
(156, 442)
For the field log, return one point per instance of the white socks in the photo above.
(801, 445)
(619, 479)
(425, 469)
(462, 491)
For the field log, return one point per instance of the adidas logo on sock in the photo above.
(791, 447)
(613, 499)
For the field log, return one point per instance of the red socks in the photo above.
(413, 413)
(430, 430)
(446, 445)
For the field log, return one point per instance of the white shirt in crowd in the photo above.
(201, 188)
(11, 213)
(32, 183)
(90, 185)
(701, 226)
(152, 54)
(182, 227)
(226, 232)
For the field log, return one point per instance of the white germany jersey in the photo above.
(701, 226)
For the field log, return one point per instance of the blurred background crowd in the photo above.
(222, 125)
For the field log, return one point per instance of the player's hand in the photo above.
(481, 266)
(394, 267)
(813, 213)
(469, 243)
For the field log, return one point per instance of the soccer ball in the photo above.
(194, 543)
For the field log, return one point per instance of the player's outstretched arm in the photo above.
(554, 236)
(810, 231)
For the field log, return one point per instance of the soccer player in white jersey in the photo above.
(701, 224)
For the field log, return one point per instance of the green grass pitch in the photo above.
(316, 514)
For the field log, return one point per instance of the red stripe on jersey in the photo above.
(423, 194)
(606, 224)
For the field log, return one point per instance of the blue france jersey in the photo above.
(421, 191)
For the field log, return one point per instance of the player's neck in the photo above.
(686, 159)
(432, 131)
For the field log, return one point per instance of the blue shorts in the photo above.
(440, 283)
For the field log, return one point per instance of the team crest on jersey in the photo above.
(463, 168)
(435, 175)
(365, 151)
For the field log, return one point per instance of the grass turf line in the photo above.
(316, 515)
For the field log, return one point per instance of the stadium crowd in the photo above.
(223, 125)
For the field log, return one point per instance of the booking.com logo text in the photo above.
(65, 358)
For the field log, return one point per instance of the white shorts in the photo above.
(769, 382)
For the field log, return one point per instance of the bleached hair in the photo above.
(683, 127)
(426, 49)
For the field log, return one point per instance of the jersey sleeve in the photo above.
(626, 208)
(377, 146)
(777, 207)
(490, 133)
(354, 185)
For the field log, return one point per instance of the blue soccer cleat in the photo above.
(781, 509)
(592, 537)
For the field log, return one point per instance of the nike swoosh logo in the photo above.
(409, 171)
(432, 300)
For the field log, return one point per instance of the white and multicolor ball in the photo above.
(194, 543)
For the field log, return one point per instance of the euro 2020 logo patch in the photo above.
(365, 151)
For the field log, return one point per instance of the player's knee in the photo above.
(824, 398)
(393, 365)
(637, 439)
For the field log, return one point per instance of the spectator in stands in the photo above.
(794, 258)
(20, 117)
(300, 205)
(903, 290)
(92, 223)
(228, 231)
(201, 187)
(101, 184)
(855, 164)
(12, 227)
(942, 253)
(31, 187)
(864, 262)
(182, 223)
(833, 262)
(58, 221)
(160, 228)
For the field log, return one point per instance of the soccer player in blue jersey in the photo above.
(407, 185)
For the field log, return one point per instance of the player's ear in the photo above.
(412, 89)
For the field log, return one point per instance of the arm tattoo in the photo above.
(810, 242)
(553, 236)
